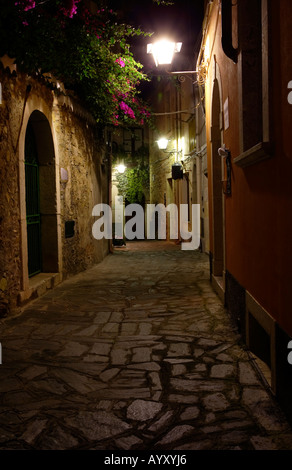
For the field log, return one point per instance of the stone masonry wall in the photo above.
(80, 152)
(13, 98)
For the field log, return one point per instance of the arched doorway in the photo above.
(40, 194)
(217, 176)
(32, 200)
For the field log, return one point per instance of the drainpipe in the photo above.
(226, 15)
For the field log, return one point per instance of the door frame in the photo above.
(216, 141)
(33, 219)
(46, 139)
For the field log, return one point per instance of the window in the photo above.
(254, 99)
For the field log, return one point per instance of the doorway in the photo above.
(40, 197)
(217, 176)
(33, 216)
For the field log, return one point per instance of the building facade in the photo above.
(130, 177)
(178, 172)
(245, 63)
(53, 171)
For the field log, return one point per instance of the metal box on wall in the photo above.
(177, 171)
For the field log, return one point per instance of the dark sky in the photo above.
(181, 21)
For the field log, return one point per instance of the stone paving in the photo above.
(136, 353)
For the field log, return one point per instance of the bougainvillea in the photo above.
(25, 4)
(84, 47)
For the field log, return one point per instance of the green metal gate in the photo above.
(33, 218)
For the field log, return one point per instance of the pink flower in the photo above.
(26, 4)
(71, 8)
(115, 120)
(30, 5)
(120, 62)
(127, 110)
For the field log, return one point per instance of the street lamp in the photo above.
(163, 51)
(121, 168)
(162, 143)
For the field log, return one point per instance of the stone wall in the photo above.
(80, 151)
(13, 97)
(74, 180)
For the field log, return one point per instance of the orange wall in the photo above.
(259, 211)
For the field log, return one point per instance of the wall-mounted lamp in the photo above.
(121, 168)
(177, 167)
(163, 51)
(225, 153)
(64, 175)
(162, 143)
(64, 178)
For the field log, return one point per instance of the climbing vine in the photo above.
(134, 183)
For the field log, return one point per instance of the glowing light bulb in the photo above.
(121, 168)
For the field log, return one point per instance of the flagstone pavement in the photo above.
(137, 353)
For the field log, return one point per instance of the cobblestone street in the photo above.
(136, 353)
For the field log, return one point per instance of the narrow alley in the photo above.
(136, 353)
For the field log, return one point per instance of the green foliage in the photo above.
(134, 183)
(88, 51)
